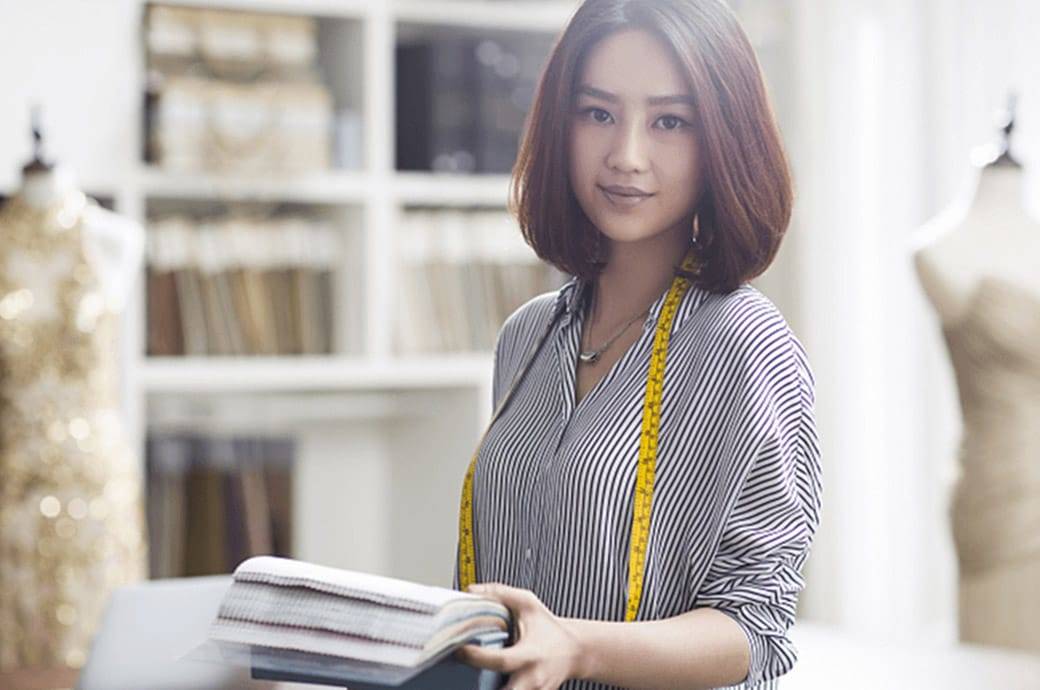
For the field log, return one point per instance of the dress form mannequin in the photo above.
(113, 244)
(71, 519)
(977, 264)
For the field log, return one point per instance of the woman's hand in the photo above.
(545, 654)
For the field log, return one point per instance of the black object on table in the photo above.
(439, 673)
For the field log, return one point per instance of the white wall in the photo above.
(895, 95)
(77, 59)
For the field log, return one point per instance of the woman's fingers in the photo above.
(522, 675)
(502, 660)
(514, 598)
(531, 664)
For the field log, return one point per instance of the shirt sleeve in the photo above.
(503, 347)
(498, 368)
(755, 577)
(517, 335)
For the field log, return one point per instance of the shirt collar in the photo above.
(571, 295)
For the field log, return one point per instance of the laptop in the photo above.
(147, 629)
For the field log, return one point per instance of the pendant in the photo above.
(588, 357)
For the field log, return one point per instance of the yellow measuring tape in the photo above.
(642, 500)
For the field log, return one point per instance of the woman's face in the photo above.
(633, 124)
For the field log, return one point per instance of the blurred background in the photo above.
(316, 191)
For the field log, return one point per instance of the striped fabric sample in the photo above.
(739, 483)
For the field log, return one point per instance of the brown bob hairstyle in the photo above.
(745, 205)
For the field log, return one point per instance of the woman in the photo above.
(647, 497)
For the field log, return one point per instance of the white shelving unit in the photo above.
(383, 441)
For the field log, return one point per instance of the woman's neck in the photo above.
(636, 274)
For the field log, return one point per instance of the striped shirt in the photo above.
(737, 494)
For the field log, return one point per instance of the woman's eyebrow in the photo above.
(652, 100)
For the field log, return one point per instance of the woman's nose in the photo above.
(629, 151)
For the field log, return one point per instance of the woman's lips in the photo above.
(624, 201)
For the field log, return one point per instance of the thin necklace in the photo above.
(590, 356)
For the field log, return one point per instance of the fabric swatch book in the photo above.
(289, 619)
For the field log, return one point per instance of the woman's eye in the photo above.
(672, 122)
(601, 116)
(595, 112)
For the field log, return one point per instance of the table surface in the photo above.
(152, 625)
(830, 658)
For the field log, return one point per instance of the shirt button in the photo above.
(527, 553)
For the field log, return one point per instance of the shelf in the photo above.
(424, 188)
(161, 375)
(332, 187)
(356, 9)
(520, 15)
(528, 15)
(282, 412)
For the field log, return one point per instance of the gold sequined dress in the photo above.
(71, 519)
